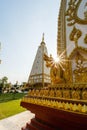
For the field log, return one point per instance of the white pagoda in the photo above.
(40, 74)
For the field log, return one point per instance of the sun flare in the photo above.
(60, 60)
(57, 59)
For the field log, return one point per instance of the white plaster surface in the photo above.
(16, 122)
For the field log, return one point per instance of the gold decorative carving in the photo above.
(81, 49)
(75, 35)
(76, 94)
(37, 92)
(84, 95)
(51, 93)
(80, 72)
(85, 39)
(58, 93)
(67, 71)
(85, 14)
(66, 94)
(31, 92)
(74, 107)
(46, 92)
(72, 13)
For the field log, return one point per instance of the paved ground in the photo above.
(16, 122)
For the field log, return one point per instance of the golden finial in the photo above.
(43, 37)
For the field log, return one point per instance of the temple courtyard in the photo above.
(16, 122)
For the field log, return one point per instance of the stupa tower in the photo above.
(40, 74)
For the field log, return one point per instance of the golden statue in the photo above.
(56, 72)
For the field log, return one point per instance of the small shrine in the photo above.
(63, 104)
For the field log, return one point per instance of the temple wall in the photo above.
(78, 25)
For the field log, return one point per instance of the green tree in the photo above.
(1, 86)
(8, 86)
(4, 81)
(23, 85)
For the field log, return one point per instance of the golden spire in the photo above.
(43, 37)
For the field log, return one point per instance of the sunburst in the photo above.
(61, 60)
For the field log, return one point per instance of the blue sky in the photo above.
(22, 23)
